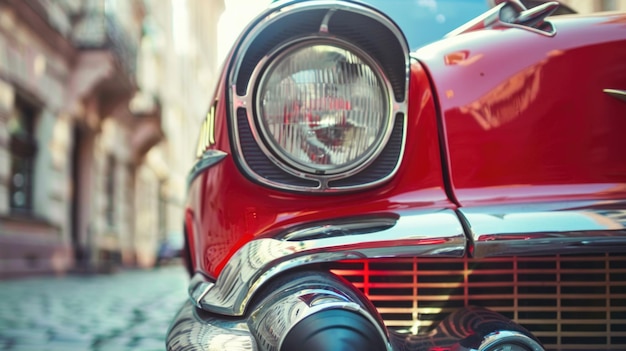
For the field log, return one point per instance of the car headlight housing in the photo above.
(323, 107)
(318, 97)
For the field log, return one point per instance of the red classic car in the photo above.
(395, 175)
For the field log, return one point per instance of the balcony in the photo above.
(106, 63)
(96, 30)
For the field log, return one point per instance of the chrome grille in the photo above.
(568, 302)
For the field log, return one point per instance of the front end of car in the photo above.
(320, 213)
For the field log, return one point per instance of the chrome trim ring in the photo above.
(548, 228)
(258, 78)
(311, 182)
(416, 233)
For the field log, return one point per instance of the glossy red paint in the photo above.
(228, 209)
(528, 122)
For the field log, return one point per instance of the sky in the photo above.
(235, 17)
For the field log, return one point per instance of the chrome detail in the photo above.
(616, 93)
(470, 329)
(198, 287)
(425, 233)
(508, 338)
(208, 159)
(549, 228)
(194, 330)
(272, 317)
(568, 302)
(534, 17)
(512, 14)
(300, 297)
(364, 226)
(275, 13)
(278, 11)
(324, 25)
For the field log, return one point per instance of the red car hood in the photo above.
(526, 115)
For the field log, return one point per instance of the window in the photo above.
(110, 191)
(23, 150)
(609, 5)
(162, 220)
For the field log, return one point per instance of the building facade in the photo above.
(588, 6)
(93, 107)
(179, 65)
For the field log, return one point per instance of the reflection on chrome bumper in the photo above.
(191, 331)
(433, 233)
(468, 329)
(546, 229)
(287, 302)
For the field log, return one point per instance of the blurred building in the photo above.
(179, 66)
(587, 6)
(97, 100)
(100, 101)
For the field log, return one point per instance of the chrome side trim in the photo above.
(618, 94)
(545, 229)
(208, 159)
(416, 233)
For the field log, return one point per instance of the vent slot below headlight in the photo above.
(259, 162)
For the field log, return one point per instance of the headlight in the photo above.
(323, 107)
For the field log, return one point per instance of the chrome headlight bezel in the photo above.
(281, 157)
(349, 25)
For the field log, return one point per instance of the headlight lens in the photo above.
(323, 108)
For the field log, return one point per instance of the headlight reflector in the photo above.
(323, 108)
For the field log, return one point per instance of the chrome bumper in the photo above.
(402, 234)
(273, 314)
(470, 329)
(540, 229)
(221, 313)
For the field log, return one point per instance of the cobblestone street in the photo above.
(128, 310)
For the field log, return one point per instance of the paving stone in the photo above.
(123, 311)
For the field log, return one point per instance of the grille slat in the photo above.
(568, 302)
